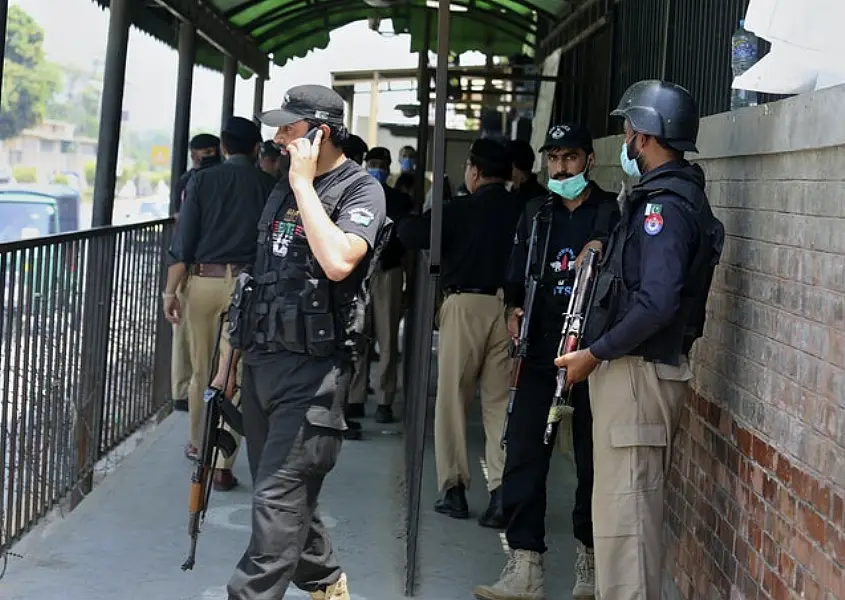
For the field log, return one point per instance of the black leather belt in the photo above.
(467, 290)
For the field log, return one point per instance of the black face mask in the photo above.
(209, 161)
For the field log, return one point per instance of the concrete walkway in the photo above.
(127, 540)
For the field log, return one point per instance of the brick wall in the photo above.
(756, 503)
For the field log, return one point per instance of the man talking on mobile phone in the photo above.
(297, 320)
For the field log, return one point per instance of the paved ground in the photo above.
(127, 540)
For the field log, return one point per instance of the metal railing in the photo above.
(84, 355)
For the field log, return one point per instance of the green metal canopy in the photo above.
(291, 28)
(286, 29)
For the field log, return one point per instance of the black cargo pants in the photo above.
(528, 459)
(293, 422)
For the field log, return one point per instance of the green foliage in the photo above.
(24, 174)
(90, 171)
(28, 80)
(78, 100)
(61, 179)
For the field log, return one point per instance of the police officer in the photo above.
(386, 309)
(647, 312)
(320, 231)
(477, 234)
(525, 184)
(355, 148)
(271, 160)
(205, 152)
(214, 240)
(577, 215)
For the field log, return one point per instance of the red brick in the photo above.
(784, 470)
(786, 504)
(786, 569)
(768, 581)
(770, 489)
(757, 479)
(744, 441)
(821, 498)
(802, 550)
(770, 551)
(835, 544)
(762, 453)
(836, 582)
(755, 536)
(779, 589)
(812, 523)
(839, 510)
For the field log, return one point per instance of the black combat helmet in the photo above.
(662, 109)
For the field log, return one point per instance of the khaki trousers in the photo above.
(472, 352)
(180, 356)
(207, 298)
(636, 410)
(383, 315)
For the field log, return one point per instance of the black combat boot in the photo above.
(384, 414)
(453, 503)
(493, 517)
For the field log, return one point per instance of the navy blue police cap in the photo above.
(203, 141)
(569, 135)
(243, 129)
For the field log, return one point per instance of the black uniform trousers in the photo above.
(293, 421)
(528, 459)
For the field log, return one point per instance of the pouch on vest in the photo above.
(240, 311)
(603, 312)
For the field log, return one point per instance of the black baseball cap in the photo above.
(243, 129)
(203, 141)
(568, 135)
(379, 153)
(312, 102)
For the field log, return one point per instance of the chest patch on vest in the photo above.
(285, 230)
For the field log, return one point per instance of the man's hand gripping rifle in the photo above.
(519, 347)
(215, 439)
(570, 341)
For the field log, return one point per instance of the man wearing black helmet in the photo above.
(648, 309)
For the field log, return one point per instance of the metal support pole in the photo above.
(258, 99)
(439, 166)
(372, 123)
(230, 73)
(111, 112)
(4, 16)
(424, 99)
(182, 123)
(421, 363)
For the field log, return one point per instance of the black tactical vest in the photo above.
(294, 306)
(612, 297)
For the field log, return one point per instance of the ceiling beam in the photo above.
(214, 28)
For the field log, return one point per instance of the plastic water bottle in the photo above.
(743, 57)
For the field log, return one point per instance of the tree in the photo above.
(78, 100)
(29, 81)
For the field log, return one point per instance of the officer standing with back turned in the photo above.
(297, 319)
(648, 309)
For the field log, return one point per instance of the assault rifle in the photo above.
(519, 348)
(215, 439)
(570, 340)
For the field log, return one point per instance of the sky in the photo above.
(76, 31)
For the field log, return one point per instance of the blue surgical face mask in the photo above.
(378, 174)
(629, 165)
(407, 164)
(569, 188)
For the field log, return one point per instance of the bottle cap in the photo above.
(742, 23)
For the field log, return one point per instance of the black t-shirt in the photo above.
(360, 211)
